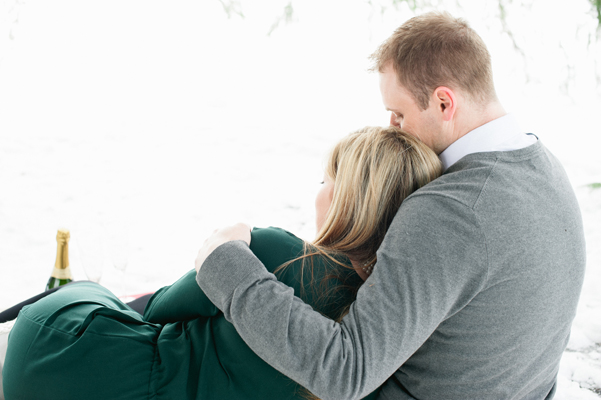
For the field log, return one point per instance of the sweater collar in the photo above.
(501, 134)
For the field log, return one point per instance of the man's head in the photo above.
(436, 78)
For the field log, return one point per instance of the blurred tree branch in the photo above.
(10, 15)
(506, 10)
(286, 17)
(9, 19)
(232, 7)
(597, 7)
(509, 33)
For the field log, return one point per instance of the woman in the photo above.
(82, 342)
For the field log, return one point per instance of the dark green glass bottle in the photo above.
(61, 274)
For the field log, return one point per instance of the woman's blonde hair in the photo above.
(373, 169)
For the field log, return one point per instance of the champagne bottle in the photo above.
(61, 274)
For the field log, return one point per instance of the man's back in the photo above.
(501, 248)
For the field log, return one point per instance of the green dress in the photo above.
(84, 343)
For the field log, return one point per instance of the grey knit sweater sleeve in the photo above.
(472, 296)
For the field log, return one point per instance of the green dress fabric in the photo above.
(84, 343)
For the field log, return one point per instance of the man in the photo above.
(477, 281)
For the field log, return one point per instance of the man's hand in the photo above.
(220, 236)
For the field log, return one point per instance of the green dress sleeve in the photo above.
(182, 301)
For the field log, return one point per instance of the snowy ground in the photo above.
(159, 123)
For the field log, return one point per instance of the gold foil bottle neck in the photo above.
(63, 234)
(62, 251)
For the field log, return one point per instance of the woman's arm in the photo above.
(185, 300)
(182, 301)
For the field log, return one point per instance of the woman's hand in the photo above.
(220, 236)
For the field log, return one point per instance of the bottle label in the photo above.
(60, 273)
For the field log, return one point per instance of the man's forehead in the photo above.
(389, 76)
(390, 88)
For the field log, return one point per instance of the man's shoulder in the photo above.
(468, 180)
(460, 185)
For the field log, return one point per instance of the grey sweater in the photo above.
(472, 297)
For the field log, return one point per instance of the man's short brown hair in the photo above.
(437, 49)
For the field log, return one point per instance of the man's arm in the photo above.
(417, 282)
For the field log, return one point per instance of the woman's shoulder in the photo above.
(327, 282)
(274, 233)
(275, 246)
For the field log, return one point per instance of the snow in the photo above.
(146, 125)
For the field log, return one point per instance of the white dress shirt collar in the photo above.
(501, 134)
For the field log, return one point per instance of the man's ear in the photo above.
(445, 101)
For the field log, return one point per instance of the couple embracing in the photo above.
(448, 264)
